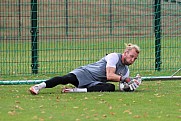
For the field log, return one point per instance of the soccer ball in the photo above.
(124, 87)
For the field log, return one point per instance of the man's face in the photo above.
(129, 57)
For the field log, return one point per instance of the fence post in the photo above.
(110, 17)
(66, 16)
(19, 2)
(157, 29)
(34, 31)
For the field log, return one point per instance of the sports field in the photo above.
(90, 36)
(153, 101)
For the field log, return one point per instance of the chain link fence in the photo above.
(54, 37)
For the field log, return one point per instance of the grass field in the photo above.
(153, 101)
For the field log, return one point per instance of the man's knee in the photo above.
(110, 87)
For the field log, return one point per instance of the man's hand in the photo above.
(128, 87)
(132, 85)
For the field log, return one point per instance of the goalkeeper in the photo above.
(95, 77)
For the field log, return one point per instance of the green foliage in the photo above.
(153, 101)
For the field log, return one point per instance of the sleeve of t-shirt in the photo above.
(112, 60)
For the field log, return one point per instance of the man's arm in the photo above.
(110, 74)
(112, 60)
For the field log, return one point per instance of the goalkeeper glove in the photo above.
(133, 84)
(130, 84)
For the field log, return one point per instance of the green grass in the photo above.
(153, 101)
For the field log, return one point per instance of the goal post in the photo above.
(28, 82)
(148, 78)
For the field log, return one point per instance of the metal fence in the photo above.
(54, 37)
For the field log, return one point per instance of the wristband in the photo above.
(122, 79)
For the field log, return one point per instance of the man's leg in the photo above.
(69, 78)
(102, 87)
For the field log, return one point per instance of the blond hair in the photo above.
(131, 46)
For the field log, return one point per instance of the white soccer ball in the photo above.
(124, 87)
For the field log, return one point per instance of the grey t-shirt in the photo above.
(95, 73)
